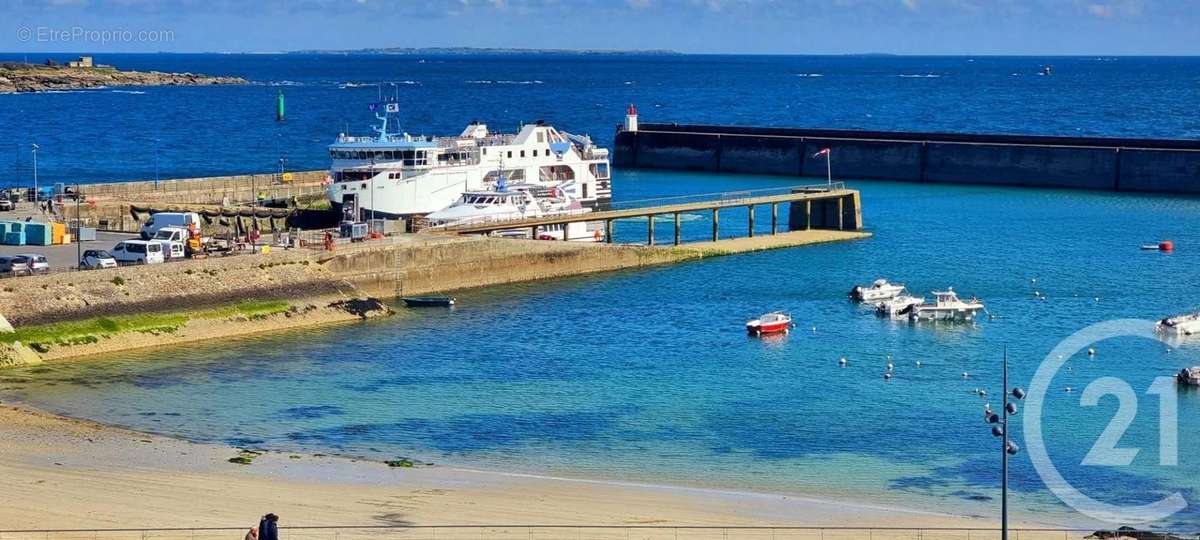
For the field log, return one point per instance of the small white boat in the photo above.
(1182, 325)
(879, 290)
(898, 307)
(946, 306)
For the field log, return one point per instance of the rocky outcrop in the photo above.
(39, 78)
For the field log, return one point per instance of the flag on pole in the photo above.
(823, 152)
(373, 106)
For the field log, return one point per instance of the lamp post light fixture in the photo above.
(1007, 446)
(35, 178)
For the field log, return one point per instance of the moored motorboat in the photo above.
(1189, 376)
(770, 323)
(428, 301)
(899, 306)
(946, 306)
(880, 289)
(1182, 325)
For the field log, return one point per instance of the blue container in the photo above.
(14, 238)
(15, 226)
(39, 234)
(3, 228)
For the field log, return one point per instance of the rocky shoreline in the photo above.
(20, 78)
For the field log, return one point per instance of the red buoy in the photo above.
(1166, 245)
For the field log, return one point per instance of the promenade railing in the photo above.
(568, 532)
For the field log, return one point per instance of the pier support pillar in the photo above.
(774, 219)
(841, 215)
(608, 231)
(716, 224)
(650, 230)
(533, 232)
(750, 221)
(677, 228)
(807, 214)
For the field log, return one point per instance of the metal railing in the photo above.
(726, 196)
(572, 532)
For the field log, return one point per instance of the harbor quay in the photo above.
(60, 315)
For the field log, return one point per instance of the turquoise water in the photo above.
(648, 376)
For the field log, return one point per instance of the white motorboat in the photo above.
(879, 290)
(946, 306)
(1181, 325)
(898, 307)
(516, 202)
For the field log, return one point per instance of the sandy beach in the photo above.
(63, 473)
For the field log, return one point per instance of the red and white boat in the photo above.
(771, 323)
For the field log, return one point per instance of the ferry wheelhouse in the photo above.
(397, 175)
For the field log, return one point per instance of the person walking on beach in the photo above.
(268, 527)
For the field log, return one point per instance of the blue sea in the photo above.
(648, 375)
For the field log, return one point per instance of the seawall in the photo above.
(73, 314)
(1109, 164)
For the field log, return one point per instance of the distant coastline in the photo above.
(21, 78)
(483, 50)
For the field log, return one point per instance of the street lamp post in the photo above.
(35, 178)
(1007, 447)
(156, 164)
(78, 226)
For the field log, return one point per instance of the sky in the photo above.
(973, 27)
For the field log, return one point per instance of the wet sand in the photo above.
(63, 473)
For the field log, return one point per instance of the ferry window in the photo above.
(485, 151)
(522, 153)
(510, 153)
(535, 152)
(541, 137)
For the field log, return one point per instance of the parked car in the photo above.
(6, 205)
(97, 258)
(36, 262)
(14, 265)
(169, 219)
(27, 263)
(137, 252)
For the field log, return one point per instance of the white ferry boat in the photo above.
(946, 307)
(522, 201)
(400, 175)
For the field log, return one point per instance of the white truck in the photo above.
(173, 241)
(181, 220)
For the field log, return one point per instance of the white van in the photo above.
(137, 252)
(172, 240)
(169, 219)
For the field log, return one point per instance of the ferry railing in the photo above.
(586, 532)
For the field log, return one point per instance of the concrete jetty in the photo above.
(1110, 164)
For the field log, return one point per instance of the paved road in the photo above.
(59, 256)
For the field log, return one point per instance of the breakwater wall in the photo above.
(206, 190)
(1110, 164)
